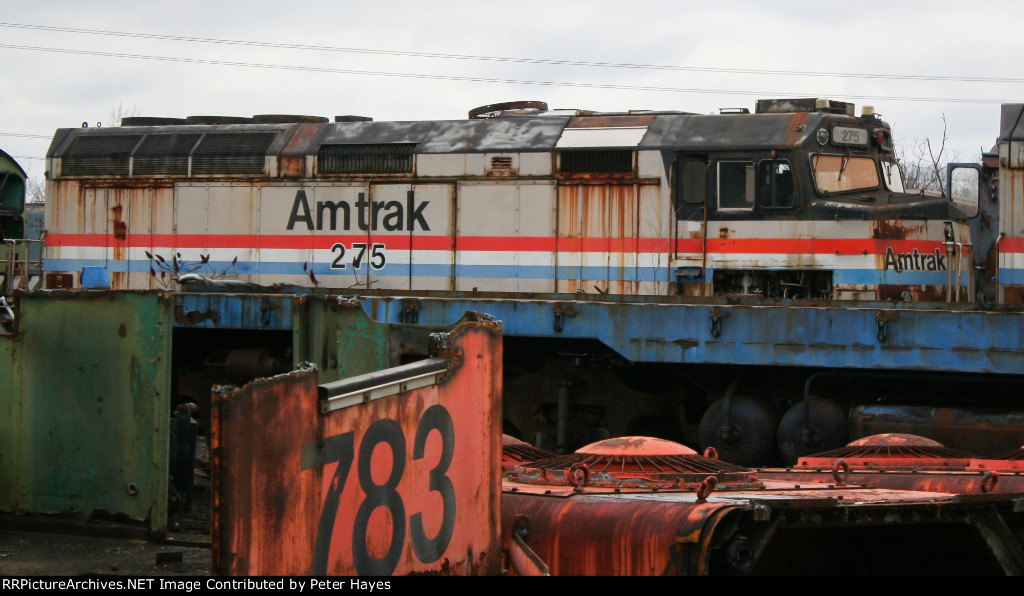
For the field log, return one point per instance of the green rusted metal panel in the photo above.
(85, 405)
(336, 334)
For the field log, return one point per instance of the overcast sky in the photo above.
(63, 63)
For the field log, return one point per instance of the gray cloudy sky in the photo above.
(67, 62)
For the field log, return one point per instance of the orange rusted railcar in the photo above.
(642, 506)
(388, 473)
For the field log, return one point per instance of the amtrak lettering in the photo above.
(914, 261)
(391, 215)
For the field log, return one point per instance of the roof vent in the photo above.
(1006, 461)
(151, 121)
(891, 450)
(807, 104)
(513, 108)
(287, 119)
(515, 452)
(218, 120)
(635, 462)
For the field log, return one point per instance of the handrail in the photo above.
(16, 263)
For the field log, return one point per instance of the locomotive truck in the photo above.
(757, 282)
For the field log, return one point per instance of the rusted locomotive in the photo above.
(800, 200)
(687, 276)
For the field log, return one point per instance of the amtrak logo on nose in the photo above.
(387, 215)
(914, 261)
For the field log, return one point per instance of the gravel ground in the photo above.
(47, 546)
(41, 553)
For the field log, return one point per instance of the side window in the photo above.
(691, 187)
(735, 185)
(775, 189)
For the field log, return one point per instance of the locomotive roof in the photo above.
(8, 165)
(1012, 124)
(534, 133)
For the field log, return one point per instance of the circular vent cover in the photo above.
(1007, 460)
(514, 452)
(634, 462)
(891, 450)
(1015, 455)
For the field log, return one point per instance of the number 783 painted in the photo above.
(364, 515)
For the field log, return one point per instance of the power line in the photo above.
(515, 60)
(475, 79)
(25, 136)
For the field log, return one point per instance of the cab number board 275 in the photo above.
(342, 449)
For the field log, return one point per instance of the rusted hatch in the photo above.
(635, 462)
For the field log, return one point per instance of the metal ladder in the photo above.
(21, 268)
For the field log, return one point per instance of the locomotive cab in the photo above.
(811, 207)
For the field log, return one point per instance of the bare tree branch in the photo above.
(121, 112)
(35, 189)
(923, 164)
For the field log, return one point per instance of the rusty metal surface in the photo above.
(779, 528)
(953, 482)
(633, 462)
(587, 535)
(404, 484)
(907, 462)
(977, 431)
(85, 406)
(757, 528)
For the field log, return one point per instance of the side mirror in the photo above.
(963, 183)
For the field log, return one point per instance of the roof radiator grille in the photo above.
(99, 155)
(232, 153)
(165, 154)
(378, 158)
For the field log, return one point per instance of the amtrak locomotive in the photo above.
(799, 200)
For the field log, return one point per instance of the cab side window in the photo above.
(775, 189)
(691, 187)
(735, 185)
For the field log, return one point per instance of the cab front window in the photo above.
(843, 173)
(892, 176)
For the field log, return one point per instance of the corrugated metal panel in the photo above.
(232, 153)
(99, 155)
(301, 492)
(84, 406)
